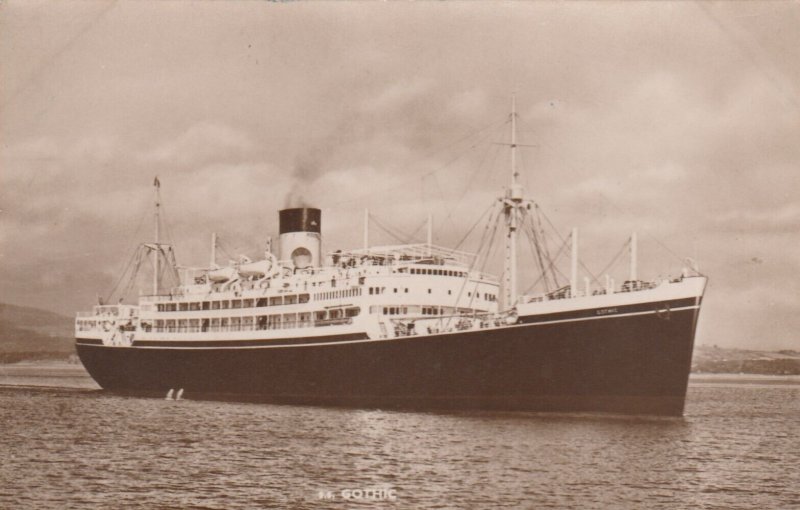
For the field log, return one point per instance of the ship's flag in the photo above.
(156, 183)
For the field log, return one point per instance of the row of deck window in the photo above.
(225, 304)
(86, 325)
(254, 323)
(380, 290)
(338, 294)
(424, 310)
(434, 272)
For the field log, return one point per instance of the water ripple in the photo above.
(66, 449)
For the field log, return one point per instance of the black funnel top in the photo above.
(300, 219)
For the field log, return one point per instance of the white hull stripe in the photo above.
(415, 337)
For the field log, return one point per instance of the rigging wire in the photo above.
(169, 255)
(492, 245)
(132, 250)
(648, 234)
(475, 172)
(521, 163)
(537, 238)
(491, 206)
(560, 155)
(536, 251)
(132, 267)
(414, 234)
(172, 264)
(222, 245)
(493, 164)
(167, 229)
(489, 253)
(545, 244)
(390, 233)
(449, 216)
(483, 239)
(616, 257)
(122, 274)
(164, 268)
(594, 277)
(552, 267)
(477, 257)
(589, 272)
(396, 233)
(428, 173)
(580, 262)
(132, 280)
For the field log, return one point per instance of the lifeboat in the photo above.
(259, 268)
(222, 274)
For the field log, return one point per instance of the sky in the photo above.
(680, 121)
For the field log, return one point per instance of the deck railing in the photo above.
(247, 327)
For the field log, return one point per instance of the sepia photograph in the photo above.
(368, 254)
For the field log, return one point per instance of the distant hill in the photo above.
(717, 360)
(31, 333)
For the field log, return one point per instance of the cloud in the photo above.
(397, 96)
(470, 104)
(202, 143)
(779, 220)
(678, 121)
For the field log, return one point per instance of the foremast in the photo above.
(157, 246)
(514, 206)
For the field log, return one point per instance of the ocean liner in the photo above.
(413, 326)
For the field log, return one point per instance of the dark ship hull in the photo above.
(635, 361)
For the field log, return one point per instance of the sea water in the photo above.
(736, 447)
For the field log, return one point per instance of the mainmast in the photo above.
(366, 229)
(213, 263)
(430, 233)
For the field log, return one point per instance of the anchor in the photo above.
(663, 313)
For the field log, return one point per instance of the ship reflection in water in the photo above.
(78, 448)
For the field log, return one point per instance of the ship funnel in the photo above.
(300, 239)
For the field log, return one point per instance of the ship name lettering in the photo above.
(606, 311)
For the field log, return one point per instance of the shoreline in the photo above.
(46, 373)
(70, 374)
(701, 378)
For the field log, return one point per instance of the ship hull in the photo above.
(636, 363)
